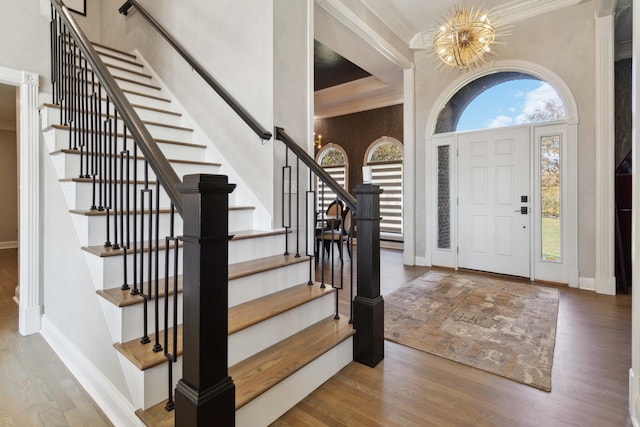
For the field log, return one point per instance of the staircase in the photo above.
(283, 339)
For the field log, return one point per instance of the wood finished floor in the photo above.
(409, 388)
(36, 389)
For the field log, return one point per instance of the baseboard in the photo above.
(633, 400)
(587, 283)
(422, 261)
(8, 245)
(115, 406)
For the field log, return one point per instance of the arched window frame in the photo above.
(377, 143)
(386, 175)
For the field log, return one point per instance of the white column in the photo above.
(605, 281)
(29, 196)
(409, 167)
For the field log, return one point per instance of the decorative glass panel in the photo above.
(444, 208)
(550, 206)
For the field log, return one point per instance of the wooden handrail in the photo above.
(147, 144)
(213, 83)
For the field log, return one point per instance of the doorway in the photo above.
(493, 201)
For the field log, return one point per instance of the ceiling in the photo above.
(340, 29)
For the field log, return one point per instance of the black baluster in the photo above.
(157, 347)
(113, 161)
(134, 194)
(297, 207)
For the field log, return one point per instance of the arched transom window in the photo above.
(498, 100)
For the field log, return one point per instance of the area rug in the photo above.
(499, 326)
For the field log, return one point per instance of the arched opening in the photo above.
(542, 211)
(384, 156)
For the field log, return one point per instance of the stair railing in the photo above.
(110, 138)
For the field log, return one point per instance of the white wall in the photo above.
(562, 42)
(24, 31)
(233, 41)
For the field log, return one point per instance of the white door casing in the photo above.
(493, 177)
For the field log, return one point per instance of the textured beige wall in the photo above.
(561, 41)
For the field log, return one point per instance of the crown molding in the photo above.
(351, 20)
(358, 106)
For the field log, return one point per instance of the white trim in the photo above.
(605, 157)
(634, 387)
(115, 406)
(9, 245)
(29, 226)
(422, 261)
(409, 167)
(587, 283)
(571, 175)
(357, 106)
(355, 23)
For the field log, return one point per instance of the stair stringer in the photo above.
(81, 339)
(242, 194)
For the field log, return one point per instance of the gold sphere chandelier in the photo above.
(464, 38)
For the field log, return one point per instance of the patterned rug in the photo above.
(496, 325)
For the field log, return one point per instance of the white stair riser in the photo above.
(112, 53)
(125, 323)
(161, 104)
(270, 405)
(89, 87)
(255, 286)
(79, 195)
(58, 139)
(150, 386)
(92, 229)
(240, 219)
(157, 131)
(120, 73)
(67, 165)
(51, 116)
(249, 341)
(248, 249)
(107, 272)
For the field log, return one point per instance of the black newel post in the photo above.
(205, 396)
(368, 305)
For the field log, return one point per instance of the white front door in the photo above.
(493, 189)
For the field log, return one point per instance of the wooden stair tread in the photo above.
(181, 161)
(120, 135)
(107, 251)
(121, 298)
(157, 416)
(252, 312)
(113, 49)
(128, 70)
(128, 61)
(247, 268)
(258, 373)
(250, 234)
(122, 79)
(143, 107)
(142, 355)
